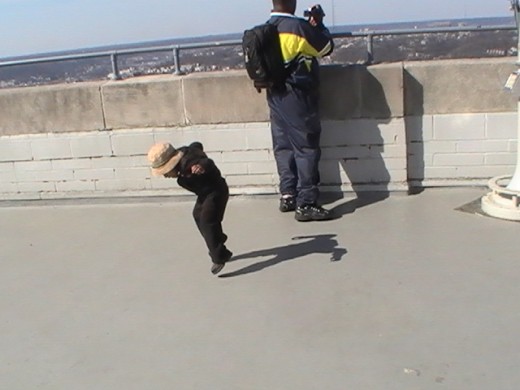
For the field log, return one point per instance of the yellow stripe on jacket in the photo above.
(294, 45)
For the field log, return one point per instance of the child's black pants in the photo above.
(208, 214)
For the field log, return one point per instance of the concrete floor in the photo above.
(402, 293)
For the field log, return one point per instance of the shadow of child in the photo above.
(323, 243)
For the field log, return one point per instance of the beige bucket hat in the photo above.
(163, 157)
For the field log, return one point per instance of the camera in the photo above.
(315, 10)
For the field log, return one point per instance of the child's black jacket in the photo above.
(210, 181)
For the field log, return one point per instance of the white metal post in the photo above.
(514, 184)
(504, 199)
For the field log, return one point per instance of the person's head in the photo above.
(285, 6)
(164, 158)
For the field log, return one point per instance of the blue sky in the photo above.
(39, 26)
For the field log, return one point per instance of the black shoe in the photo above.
(216, 268)
(312, 213)
(287, 204)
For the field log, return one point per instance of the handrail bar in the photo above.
(368, 34)
(96, 54)
(433, 30)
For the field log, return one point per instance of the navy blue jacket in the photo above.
(302, 44)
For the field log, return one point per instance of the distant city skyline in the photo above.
(39, 26)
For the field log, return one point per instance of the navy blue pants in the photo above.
(296, 129)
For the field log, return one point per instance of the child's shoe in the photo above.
(216, 268)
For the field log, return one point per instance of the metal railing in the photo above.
(369, 36)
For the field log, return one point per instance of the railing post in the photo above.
(176, 61)
(115, 69)
(370, 49)
(502, 201)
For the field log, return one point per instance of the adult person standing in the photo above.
(294, 109)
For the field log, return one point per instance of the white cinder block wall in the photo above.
(386, 127)
(357, 155)
(364, 155)
(113, 163)
(110, 163)
(461, 149)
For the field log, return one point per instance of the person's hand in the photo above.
(197, 169)
(316, 18)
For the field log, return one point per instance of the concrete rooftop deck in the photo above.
(119, 296)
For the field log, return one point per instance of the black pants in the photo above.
(296, 130)
(208, 214)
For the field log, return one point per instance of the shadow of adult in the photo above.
(354, 110)
(305, 245)
(414, 121)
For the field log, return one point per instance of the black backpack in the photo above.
(263, 56)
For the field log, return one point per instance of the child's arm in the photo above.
(197, 169)
(197, 145)
(204, 165)
(197, 162)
